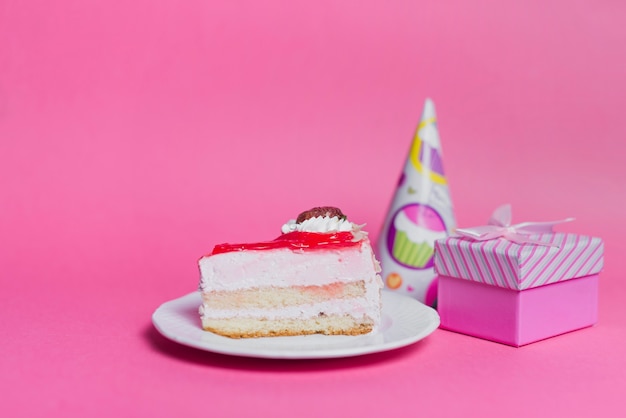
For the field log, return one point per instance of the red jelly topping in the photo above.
(295, 240)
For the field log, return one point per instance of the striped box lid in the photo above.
(503, 263)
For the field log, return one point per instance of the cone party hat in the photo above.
(420, 213)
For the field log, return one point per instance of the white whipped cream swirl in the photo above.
(321, 224)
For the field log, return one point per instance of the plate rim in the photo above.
(430, 324)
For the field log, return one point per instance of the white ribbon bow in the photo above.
(499, 226)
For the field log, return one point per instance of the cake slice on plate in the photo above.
(320, 276)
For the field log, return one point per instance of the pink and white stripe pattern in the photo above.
(503, 263)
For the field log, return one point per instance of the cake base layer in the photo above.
(264, 327)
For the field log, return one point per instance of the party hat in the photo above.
(420, 213)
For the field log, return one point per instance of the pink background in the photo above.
(135, 135)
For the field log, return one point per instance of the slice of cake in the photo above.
(320, 276)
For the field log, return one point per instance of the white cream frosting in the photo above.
(320, 224)
(283, 268)
(354, 307)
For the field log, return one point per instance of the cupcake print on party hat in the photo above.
(413, 233)
(421, 212)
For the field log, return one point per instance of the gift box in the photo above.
(517, 284)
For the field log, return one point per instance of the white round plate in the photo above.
(404, 321)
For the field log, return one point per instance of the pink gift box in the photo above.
(516, 293)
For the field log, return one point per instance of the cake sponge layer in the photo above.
(263, 327)
(273, 297)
